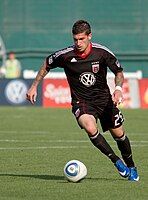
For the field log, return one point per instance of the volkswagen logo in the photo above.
(88, 79)
(15, 91)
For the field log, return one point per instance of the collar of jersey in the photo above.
(84, 55)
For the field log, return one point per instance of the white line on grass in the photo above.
(63, 141)
(56, 147)
(26, 132)
(15, 141)
(49, 141)
(48, 132)
(32, 148)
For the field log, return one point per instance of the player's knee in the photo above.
(91, 130)
(117, 132)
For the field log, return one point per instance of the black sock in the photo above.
(125, 149)
(99, 141)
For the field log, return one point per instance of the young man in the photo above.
(85, 64)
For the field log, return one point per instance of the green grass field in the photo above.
(36, 143)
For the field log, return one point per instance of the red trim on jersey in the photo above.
(86, 53)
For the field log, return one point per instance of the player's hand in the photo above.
(117, 97)
(32, 94)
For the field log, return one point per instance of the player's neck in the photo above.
(85, 53)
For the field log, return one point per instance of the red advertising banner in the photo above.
(143, 84)
(56, 93)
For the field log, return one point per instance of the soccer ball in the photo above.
(75, 170)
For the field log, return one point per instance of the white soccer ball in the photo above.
(74, 170)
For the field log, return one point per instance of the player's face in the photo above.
(82, 41)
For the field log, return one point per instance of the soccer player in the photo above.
(85, 65)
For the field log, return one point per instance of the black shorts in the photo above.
(109, 115)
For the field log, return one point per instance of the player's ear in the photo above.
(90, 36)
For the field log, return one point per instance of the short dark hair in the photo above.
(81, 26)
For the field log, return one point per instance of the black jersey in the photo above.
(86, 75)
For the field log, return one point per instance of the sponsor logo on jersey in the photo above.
(95, 66)
(88, 79)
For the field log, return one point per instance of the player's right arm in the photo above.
(32, 92)
(52, 61)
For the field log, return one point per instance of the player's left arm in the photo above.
(117, 96)
(114, 65)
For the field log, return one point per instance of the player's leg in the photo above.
(112, 120)
(112, 117)
(124, 146)
(86, 117)
(115, 120)
(88, 122)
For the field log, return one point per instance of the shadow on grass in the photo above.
(60, 178)
(105, 179)
(44, 177)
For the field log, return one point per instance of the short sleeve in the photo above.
(53, 61)
(113, 63)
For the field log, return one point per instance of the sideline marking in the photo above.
(65, 141)
(48, 132)
(56, 147)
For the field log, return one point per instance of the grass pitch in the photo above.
(36, 143)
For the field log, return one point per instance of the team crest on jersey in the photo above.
(95, 66)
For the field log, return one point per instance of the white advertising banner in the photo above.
(131, 97)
